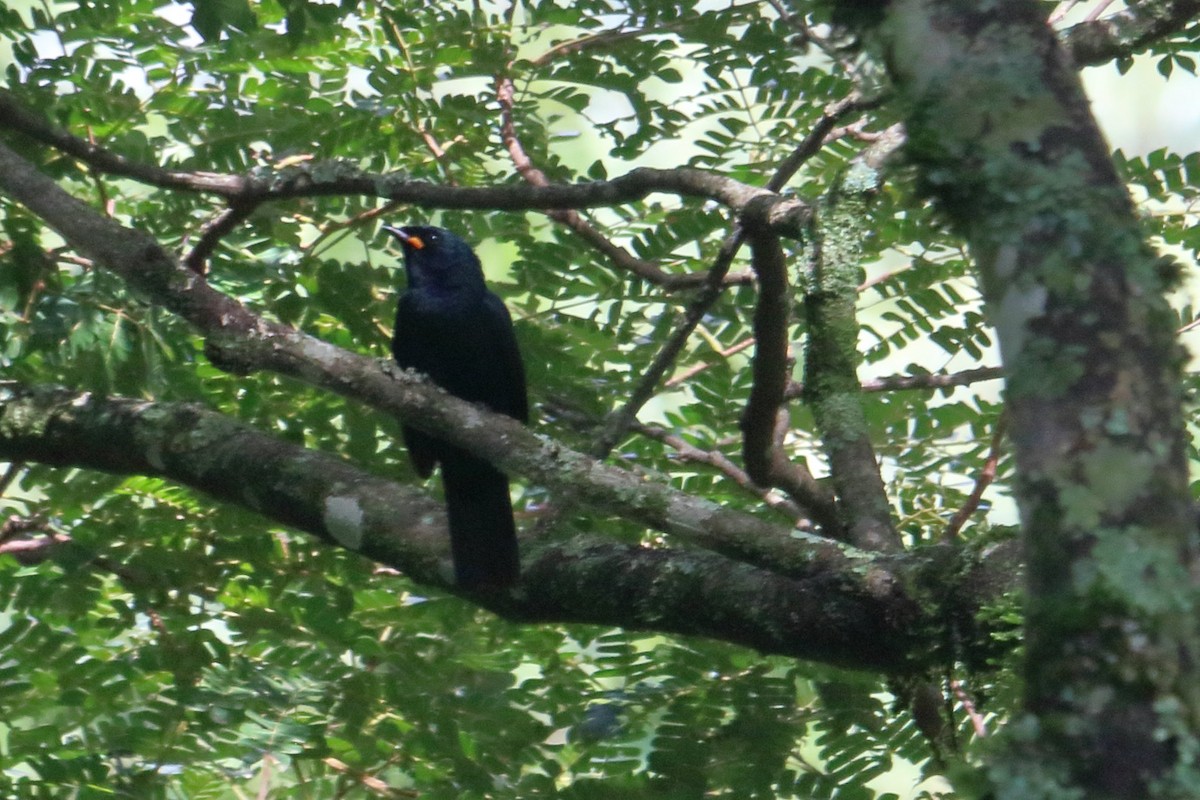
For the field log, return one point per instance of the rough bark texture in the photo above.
(832, 359)
(862, 613)
(1002, 137)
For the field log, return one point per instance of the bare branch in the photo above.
(821, 134)
(764, 424)
(211, 234)
(771, 364)
(618, 423)
(933, 380)
(719, 461)
(1128, 32)
(986, 475)
(342, 178)
(621, 257)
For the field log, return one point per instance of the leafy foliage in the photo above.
(181, 649)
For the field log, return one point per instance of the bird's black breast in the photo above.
(465, 346)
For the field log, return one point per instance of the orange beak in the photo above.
(412, 240)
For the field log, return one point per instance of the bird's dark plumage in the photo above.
(450, 327)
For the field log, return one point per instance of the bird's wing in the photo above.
(410, 352)
(509, 396)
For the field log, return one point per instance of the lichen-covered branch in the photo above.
(832, 358)
(825, 613)
(238, 340)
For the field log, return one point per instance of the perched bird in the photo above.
(450, 327)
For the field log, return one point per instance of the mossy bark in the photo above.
(1002, 137)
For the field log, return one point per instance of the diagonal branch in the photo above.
(823, 614)
(982, 481)
(212, 233)
(619, 422)
(818, 137)
(719, 461)
(238, 340)
(622, 258)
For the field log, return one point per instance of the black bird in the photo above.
(450, 327)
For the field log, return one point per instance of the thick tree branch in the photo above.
(238, 340)
(826, 613)
(1128, 32)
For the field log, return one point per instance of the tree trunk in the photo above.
(1001, 134)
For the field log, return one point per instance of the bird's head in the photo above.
(435, 258)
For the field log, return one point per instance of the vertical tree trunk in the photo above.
(1001, 134)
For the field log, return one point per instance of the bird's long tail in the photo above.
(483, 537)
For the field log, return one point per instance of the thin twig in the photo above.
(696, 369)
(1060, 12)
(982, 481)
(368, 781)
(894, 383)
(620, 33)
(570, 218)
(969, 706)
(722, 463)
(1100, 8)
(214, 230)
